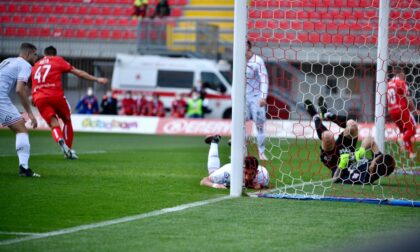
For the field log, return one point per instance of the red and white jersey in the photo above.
(46, 77)
(396, 93)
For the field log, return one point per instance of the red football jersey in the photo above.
(397, 90)
(46, 77)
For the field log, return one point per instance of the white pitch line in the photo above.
(53, 153)
(113, 222)
(17, 233)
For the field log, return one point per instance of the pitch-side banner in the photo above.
(203, 127)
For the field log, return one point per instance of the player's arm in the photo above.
(207, 182)
(84, 75)
(22, 92)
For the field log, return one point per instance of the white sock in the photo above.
(23, 149)
(213, 162)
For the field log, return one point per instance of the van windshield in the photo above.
(228, 76)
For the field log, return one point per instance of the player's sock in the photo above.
(57, 134)
(213, 162)
(407, 140)
(68, 134)
(23, 149)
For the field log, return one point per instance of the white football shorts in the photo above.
(9, 114)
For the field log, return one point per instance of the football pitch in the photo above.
(142, 193)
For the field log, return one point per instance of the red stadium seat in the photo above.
(36, 9)
(17, 19)
(308, 26)
(47, 9)
(87, 20)
(107, 10)
(111, 21)
(21, 32)
(95, 10)
(83, 10)
(11, 7)
(60, 9)
(267, 14)
(278, 14)
(25, 8)
(260, 24)
(337, 39)
(296, 25)
(176, 12)
(3, 8)
(80, 33)
(99, 21)
(105, 34)
(72, 10)
(4, 18)
(28, 19)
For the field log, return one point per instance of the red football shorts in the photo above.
(54, 107)
(404, 120)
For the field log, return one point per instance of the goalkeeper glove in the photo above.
(344, 160)
(360, 153)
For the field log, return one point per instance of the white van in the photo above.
(170, 76)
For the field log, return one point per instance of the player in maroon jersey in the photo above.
(48, 96)
(399, 106)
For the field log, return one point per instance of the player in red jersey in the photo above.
(399, 106)
(48, 96)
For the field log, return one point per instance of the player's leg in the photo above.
(213, 161)
(409, 131)
(47, 111)
(260, 119)
(64, 113)
(319, 127)
(10, 117)
(397, 119)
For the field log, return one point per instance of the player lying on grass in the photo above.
(255, 176)
(331, 149)
(364, 166)
(48, 96)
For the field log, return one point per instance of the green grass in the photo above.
(134, 174)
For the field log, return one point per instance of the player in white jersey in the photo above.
(256, 95)
(255, 176)
(16, 72)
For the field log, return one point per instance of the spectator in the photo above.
(140, 9)
(179, 106)
(88, 104)
(128, 104)
(155, 107)
(195, 106)
(109, 104)
(162, 9)
(141, 105)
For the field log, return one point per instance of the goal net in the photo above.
(328, 48)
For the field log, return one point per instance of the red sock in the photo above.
(56, 134)
(68, 134)
(407, 140)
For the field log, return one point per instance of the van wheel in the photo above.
(227, 114)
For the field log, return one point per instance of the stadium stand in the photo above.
(335, 22)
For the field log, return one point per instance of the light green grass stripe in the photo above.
(115, 221)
